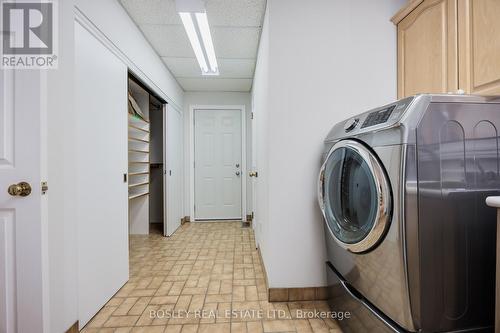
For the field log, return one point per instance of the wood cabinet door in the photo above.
(479, 45)
(427, 49)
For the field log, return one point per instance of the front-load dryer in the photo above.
(410, 240)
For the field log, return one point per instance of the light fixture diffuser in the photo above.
(202, 20)
(195, 21)
(187, 20)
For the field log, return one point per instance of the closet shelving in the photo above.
(138, 156)
(145, 151)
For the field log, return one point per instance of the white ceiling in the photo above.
(235, 27)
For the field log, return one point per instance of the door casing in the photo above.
(237, 108)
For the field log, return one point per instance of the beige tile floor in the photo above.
(206, 278)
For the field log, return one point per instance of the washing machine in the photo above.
(410, 240)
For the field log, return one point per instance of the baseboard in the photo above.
(73, 328)
(297, 294)
(292, 294)
(264, 270)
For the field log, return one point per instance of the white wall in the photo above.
(110, 18)
(215, 98)
(260, 108)
(325, 62)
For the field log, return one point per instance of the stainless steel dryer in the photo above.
(410, 240)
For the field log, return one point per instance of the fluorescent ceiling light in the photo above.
(194, 18)
(202, 20)
(187, 20)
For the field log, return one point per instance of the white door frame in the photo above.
(240, 108)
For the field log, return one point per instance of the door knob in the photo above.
(22, 189)
(237, 173)
(253, 174)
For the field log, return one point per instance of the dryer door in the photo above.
(355, 196)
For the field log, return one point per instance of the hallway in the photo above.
(208, 277)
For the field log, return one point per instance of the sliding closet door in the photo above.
(173, 177)
(102, 196)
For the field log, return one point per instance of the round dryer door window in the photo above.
(354, 196)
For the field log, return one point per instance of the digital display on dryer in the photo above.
(378, 117)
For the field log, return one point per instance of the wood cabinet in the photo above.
(447, 45)
(479, 40)
(427, 49)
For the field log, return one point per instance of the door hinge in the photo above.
(251, 116)
(45, 187)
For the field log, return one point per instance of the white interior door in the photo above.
(102, 160)
(21, 224)
(217, 164)
(173, 174)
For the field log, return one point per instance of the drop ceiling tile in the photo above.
(212, 84)
(236, 68)
(172, 41)
(152, 11)
(235, 27)
(228, 68)
(168, 40)
(182, 67)
(235, 42)
(239, 13)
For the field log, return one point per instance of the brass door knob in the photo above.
(253, 174)
(22, 189)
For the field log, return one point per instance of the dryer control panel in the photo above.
(383, 117)
(371, 121)
(378, 117)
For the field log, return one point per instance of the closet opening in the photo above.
(146, 159)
